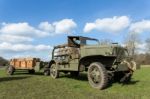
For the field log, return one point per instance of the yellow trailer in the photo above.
(29, 64)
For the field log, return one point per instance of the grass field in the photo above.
(25, 86)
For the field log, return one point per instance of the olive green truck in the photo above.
(103, 63)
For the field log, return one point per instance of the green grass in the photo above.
(25, 86)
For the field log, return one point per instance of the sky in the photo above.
(33, 27)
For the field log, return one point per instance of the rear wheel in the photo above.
(97, 75)
(10, 70)
(54, 71)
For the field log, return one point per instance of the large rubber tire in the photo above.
(97, 76)
(10, 70)
(54, 71)
(31, 71)
(74, 73)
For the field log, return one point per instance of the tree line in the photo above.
(3, 62)
(138, 49)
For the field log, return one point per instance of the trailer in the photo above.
(29, 64)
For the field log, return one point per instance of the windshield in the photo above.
(92, 42)
(77, 41)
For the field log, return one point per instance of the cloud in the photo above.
(64, 26)
(15, 38)
(22, 29)
(20, 32)
(111, 25)
(20, 39)
(140, 27)
(46, 26)
(59, 27)
(42, 47)
(141, 47)
(89, 27)
(8, 47)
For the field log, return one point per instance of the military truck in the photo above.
(29, 64)
(103, 63)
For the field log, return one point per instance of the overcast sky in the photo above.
(33, 27)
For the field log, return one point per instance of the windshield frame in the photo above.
(95, 40)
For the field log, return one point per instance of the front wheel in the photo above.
(10, 70)
(97, 75)
(54, 71)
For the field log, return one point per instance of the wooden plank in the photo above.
(24, 63)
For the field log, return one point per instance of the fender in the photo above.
(105, 60)
(50, 63)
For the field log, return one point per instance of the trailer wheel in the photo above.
(31, 71)
(97, 76)
(54, 71)
(10, 70)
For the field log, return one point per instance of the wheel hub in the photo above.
(53, 71)
(95, 75)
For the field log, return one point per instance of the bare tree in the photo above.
(131, 41)
(3, 61)
(148, 45)
(105, 41)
